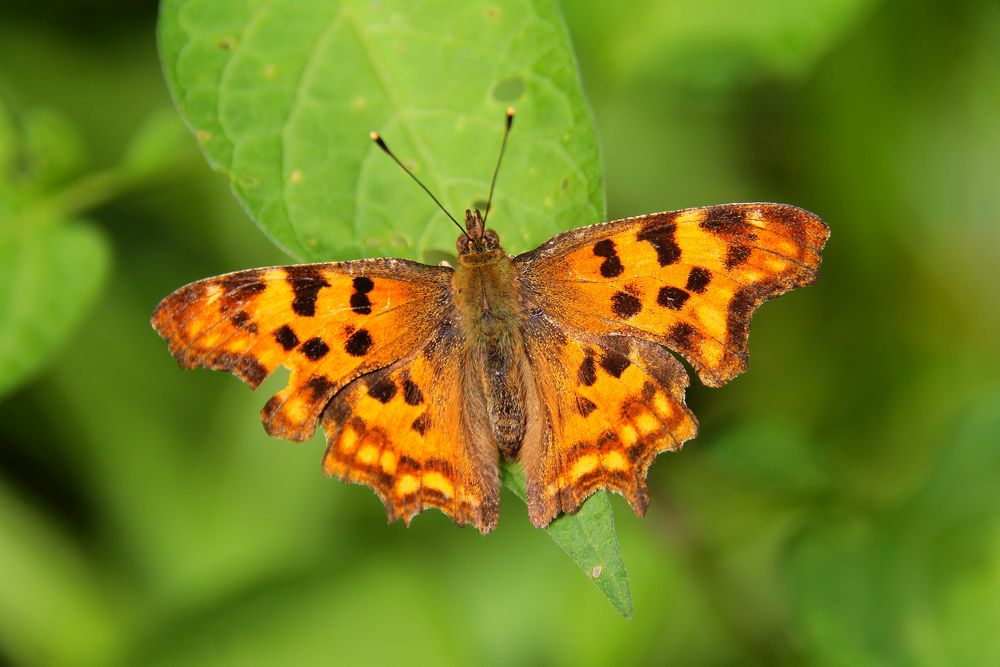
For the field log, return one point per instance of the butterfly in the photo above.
(423, 377)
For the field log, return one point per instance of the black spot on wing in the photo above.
(315, 349)
(614, 362)
(661, 237)
(363, 284)
(736, 254)
(411, 392)
(698, 279)
(625, 305)
(240, 318)
(306, 282)
(286, 337)
(382, 390)
(319, 386)
(358, 343)
(672, 297)
(360, 303)
(612, 265)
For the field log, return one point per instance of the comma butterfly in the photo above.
(422, 377)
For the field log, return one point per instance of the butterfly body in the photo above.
(491, 315)
(423, 377)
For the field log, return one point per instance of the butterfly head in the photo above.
(477, 241)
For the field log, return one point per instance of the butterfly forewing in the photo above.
(326, 323)
(687, 279)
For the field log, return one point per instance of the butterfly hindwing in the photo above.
(610, 404)
(326, 323)
(403, 432)
(688, 280)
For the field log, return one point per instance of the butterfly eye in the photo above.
(491, 239)
(463, 245)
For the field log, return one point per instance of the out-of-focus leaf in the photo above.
(589, 538)
(710, 44)
(896, 588)
(282, 96)
(50, 152)
(156, 145)
(49, 275)
(53, 607)
(50, 267)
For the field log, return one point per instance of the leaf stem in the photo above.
(98, 188)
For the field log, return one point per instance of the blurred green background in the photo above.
(838, 508)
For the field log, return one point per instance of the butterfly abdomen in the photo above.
(484, 294)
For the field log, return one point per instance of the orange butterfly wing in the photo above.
(403, 432)
(610, 405)
(687, 280)
(335, 326)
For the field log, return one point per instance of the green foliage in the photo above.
(51, 266)
(837, 506)
(49, 275)
(282, 101)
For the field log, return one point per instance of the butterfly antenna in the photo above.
(381, 144)
(503, 146)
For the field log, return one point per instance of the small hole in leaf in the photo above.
(596, 572)
(509, 89)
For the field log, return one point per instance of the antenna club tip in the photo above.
(510, 112)
(374, 136)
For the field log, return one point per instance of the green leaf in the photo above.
(50, 268)
(157, 146)
(282, 97)
(50, 150)
(589, 538)
(49, 275)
